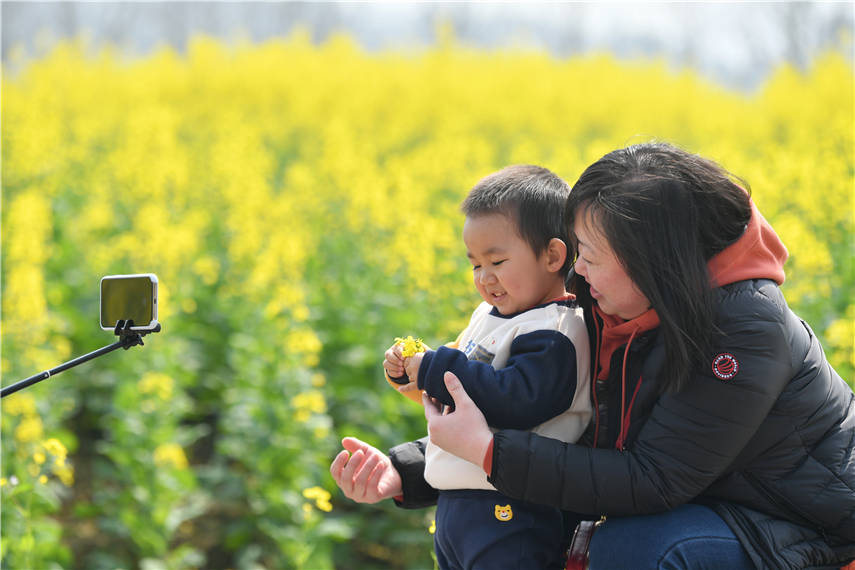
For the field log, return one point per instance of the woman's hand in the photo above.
(464, 431)
(364, 473)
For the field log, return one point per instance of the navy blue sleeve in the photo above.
(537, 383)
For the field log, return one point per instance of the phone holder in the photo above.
(127, 339)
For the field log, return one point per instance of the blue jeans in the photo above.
(688, 537)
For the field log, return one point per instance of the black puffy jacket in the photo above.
(765, 435)
(771, 448)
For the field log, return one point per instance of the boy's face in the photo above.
(506, 271)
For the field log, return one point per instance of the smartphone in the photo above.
(126, 297)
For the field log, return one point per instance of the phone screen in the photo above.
(125, 297)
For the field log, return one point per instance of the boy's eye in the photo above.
(499, 262)
(474, 267)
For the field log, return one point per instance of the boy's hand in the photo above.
(412, 365)
(409, 387)
(393, 362)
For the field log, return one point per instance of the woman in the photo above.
(723, 438)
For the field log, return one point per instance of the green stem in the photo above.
(29, 530)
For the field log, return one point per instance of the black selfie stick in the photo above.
(127, 339)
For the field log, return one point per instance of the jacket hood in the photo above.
(758, 254)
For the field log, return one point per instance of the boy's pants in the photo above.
(479, 529)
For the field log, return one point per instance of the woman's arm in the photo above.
(687, 442)
(408, 460)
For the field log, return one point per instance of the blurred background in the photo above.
(292, 172)
(736, 44)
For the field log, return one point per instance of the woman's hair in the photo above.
(665, 212)
(532, 197)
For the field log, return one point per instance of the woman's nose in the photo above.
(579, 267)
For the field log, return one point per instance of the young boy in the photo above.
(523, 359)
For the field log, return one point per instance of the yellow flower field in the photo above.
(300, 206)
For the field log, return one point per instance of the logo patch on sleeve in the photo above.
(725, 366)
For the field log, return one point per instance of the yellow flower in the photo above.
(156, 383)
(432, 527)
(306, 343)
(43, 479)
(57, 449)
(321, 497)
(39, 457)
(208, 268)
(188, 305)
(308, 403)
(410, 346)
(321, 432)
(316, 492)
(170, 454)
(30, 429)
(65, 474)
(20, 404)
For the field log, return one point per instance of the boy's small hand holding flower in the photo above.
(404, 359)
(412, 365)
(393, 362)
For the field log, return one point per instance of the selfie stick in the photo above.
(127, 339)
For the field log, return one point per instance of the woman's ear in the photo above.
(556, 254)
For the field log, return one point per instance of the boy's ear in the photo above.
(556, 254)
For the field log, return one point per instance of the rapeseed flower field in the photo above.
(300, 206)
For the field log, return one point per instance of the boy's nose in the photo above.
(487, 277)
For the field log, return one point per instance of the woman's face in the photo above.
(611, 287)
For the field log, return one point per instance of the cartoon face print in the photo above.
(505, 513)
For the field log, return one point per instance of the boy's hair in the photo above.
(532, 197)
